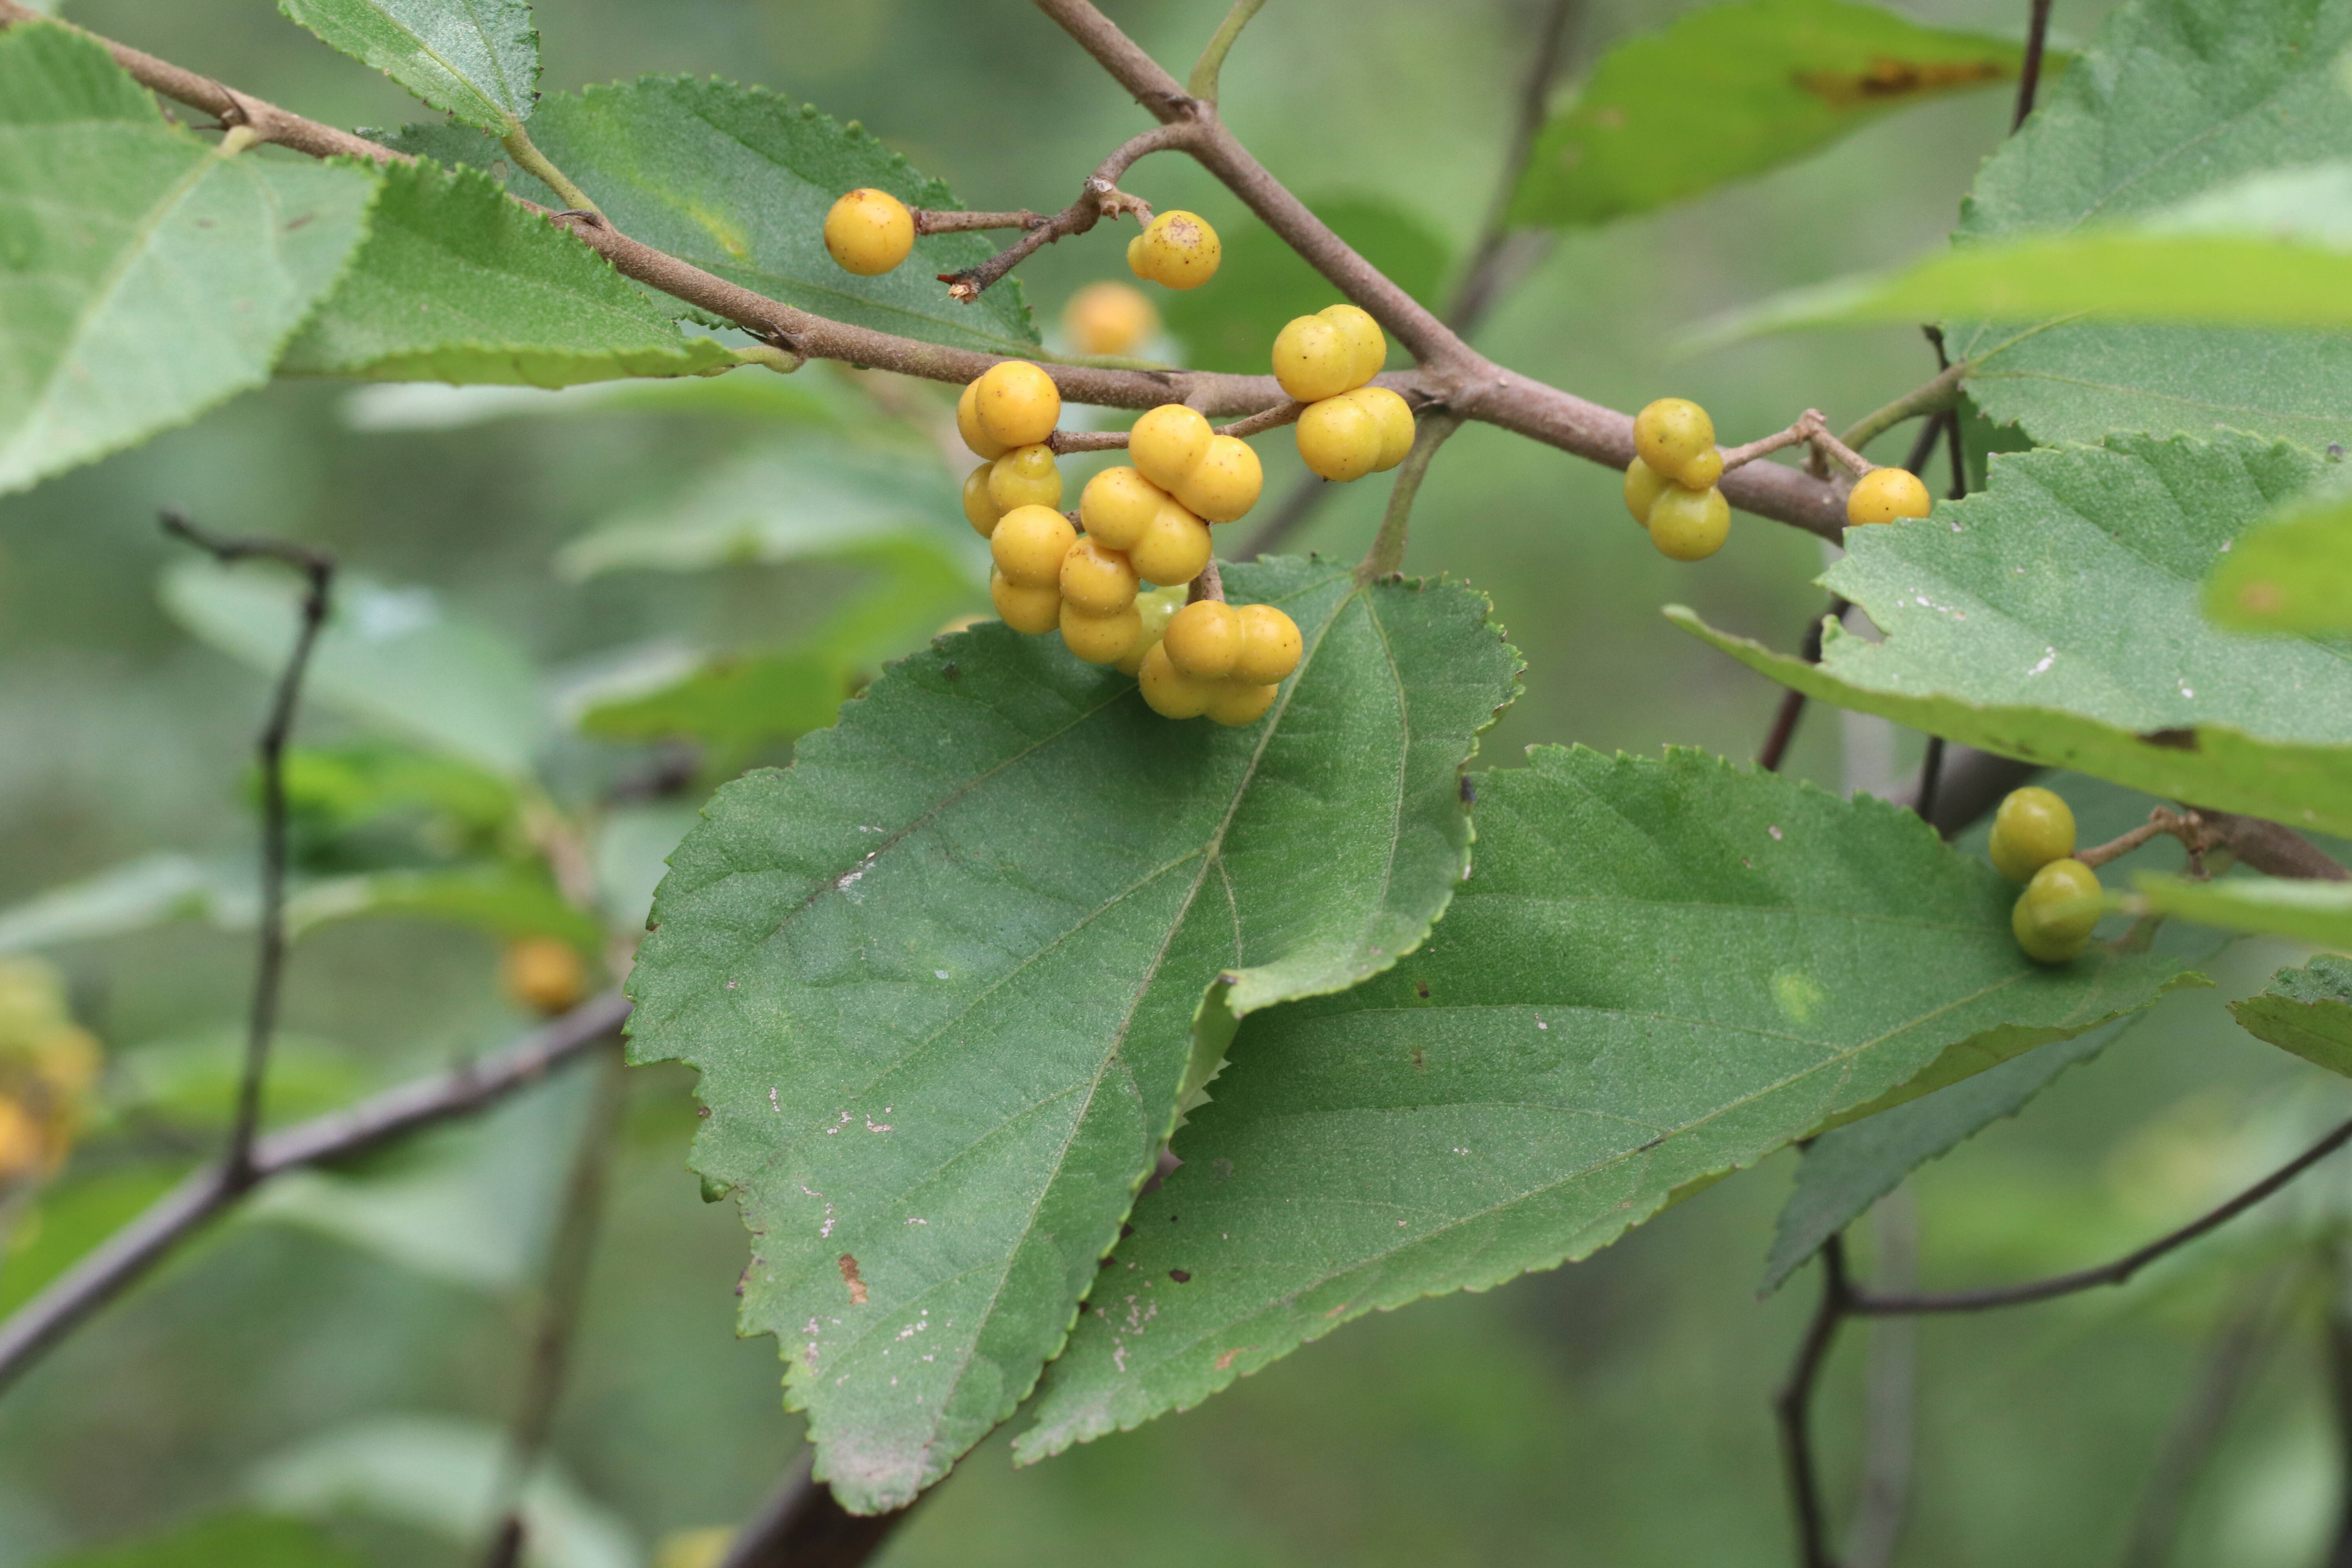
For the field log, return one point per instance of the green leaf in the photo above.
(1661, 972)
(2053, 617)
(478, 60)
(71, 1220)
(2307, 1011)
(505, 900)
(332, 791)
(1732, 91)
(144, 277)
(2318, 913)
(2295, 575)
(1262, 283)
(457, 283)
(246, 1539)
(191, 1081)
(941, 977)
(738, 181)
(2174, 98)
(733, 705)
(392, 657)
(135, 896)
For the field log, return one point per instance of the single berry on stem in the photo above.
(2033, 827)
(1883, 495)
(1110, 319)
(1176, 250)
(869, 232)
(544, 974)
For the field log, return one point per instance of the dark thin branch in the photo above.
(2338, 1330)
(1100, 197)
(1793, 1408)
(105, 1272)
(1931, 779)
(2029, 79)
(1792, 702)
(2116, 1272)
(1891, 1374)
(800, 1526)
(318, 569)
(561, 1297)
(1283, 413)
(1499, 255)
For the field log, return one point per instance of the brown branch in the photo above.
(120, 1260)
(2269, 847)
(1792, 1407)
(1099, 198)
(1809, 425)
(1283, 413)
(1792, 701)
(953, 220)
(800, 1526)
(2029, 79)
(2114, 1273)
(1209, 585)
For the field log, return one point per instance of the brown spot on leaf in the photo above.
(1182, 1277)
(1886, 79)
(1420, 989)
(1125, 1231)
(849, 1276)
(1226, 1358)
(1419, 1061)
(1110, 1262)
(2262, 598)
(2172, 740)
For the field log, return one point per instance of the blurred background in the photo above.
(349, 1350)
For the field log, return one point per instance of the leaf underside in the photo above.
(2307, 1011)
(478, 60)
(1661, 972)
(941, 976)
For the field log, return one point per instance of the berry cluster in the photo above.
(869, 232)
(1883, 495)
(48, 1066)
(1670, 484)
(1350, 427)
(1176, 250)
(2033, 842)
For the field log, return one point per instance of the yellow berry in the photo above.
(1237, 702)
(1224, 483)
(1174, 546)
(1098, 581)
(23, 1144)
(1166, 443)
(1394, 415)
(1110, 319)
(1364, 334)
(1689, 525)
(1168, 691)
(1017, 403)
(869, 232)
(1702, 471)
(1036, 611)
(2033, 827)
(1026, 476)
(1028, 546)
(1883, 495)
(1156, 609)
(543, 974)
(1177, 249)
(1270, 645)
(968, 426)
(1314, 359)
(1118, 505)
(2053, 918)
(980, 509)
(1671, 434)
(1101, 639)
(1340, 438)
(68, 1061)
(1644, 486)
(1204, 639)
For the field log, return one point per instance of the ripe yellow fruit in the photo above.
(1204, 639)
(1237, 702)
(1340, 438)
(1156, 609)
(1225, 482)
(1644, 486)
(1671, 434)
(1176, 250)
(1314, 359)
(1174, 546)
(980, 509)
(1028, 546)
(544, 974)
(1034, 611)
(1166, 443)
(1270, 646)
(23, 1142)
(1883, 495)
(1370, 343)
(1017, 404)
(1101, 639)
(1168, 691)
(1118, 505)
(1689, 525)
(1026, 476)
(1394, 417)
(1096, 580)
(968, 424)
(2034, 826)
(1110, 319)
(869, 232)
(2053, 918)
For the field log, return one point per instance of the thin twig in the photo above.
(2029, 79)
(2116, 1272)
(561, 1297)
(1283, 413)
(1496, 257)
(120, 1260)
(1792, 701)
(1209, 585)
(1212, 63)
(318, 569)
(1099, 198)
(1387, 553)
(1931, 779)
(800, 1526)
(1809, 426)
(955, 220)
(1792, 1406)
(1925, 445)
(1851, 461)
(536, 163)
(1929, 397)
